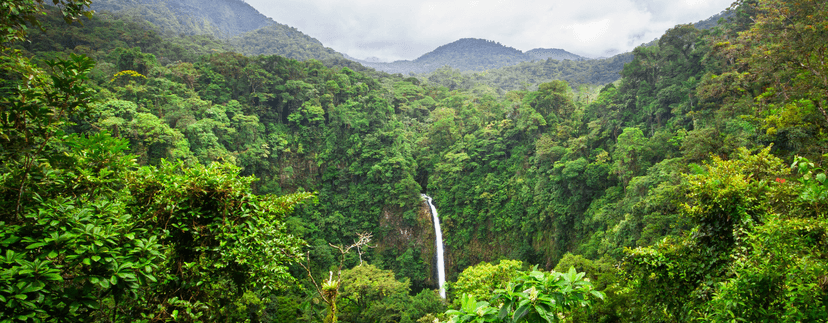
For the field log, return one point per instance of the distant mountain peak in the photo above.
(471, 46)
(554, 53)
(472, 54)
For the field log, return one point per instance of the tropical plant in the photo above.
(534, 296)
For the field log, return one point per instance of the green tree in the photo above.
(629, 154)
(750, 253)
(370, 294)
(88, 236)
(533, 296)
(18, 15)
(481, 280)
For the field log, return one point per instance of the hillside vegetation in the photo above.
(278, 39)
(241, 26)
(554, 53)
(471, 55)
(528, 75)
(217, 18)
(168, 179)
(235, 25)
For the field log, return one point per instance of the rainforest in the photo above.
(156, 177)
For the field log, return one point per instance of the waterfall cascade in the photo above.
(438, 233)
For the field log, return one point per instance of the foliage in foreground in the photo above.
(88, 235)
(533, 296)
(756, 251)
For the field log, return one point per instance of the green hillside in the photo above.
(468, 54)
(245, 29)
(219, 18)
(554, 53)
(594, 72)
(471, 54)
(278, 39)
(470, 63)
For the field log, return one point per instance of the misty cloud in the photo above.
(407, 29)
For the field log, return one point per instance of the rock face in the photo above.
(400, 234)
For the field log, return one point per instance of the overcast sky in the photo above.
(394, 30)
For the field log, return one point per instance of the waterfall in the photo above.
(438, 233)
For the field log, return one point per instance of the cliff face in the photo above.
(400, 235)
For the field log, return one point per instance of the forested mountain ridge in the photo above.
(470, 55)
(713, 21)
(135, 188)
(554, 53)
(244, 28)
(237, 20)
(278, 39)
(528, 75)
(551, 64)
(219, 18)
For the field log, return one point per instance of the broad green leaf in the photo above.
(521, 311)
(36, 245)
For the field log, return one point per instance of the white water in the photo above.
(438, 233)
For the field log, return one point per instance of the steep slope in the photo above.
(713, 21)
(242, 26)
(219, 18)
(554, 53)
(283, 40)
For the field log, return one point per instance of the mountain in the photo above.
(283, 40)
(471, 55)
(713, 21)
(554, 53)
(467, 54)
(547, 64)
(530, 74)
(247, 30)
(220, 18)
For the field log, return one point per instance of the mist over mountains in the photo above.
(251, 33)
(470, 55)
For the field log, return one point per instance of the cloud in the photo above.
(393, 30)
